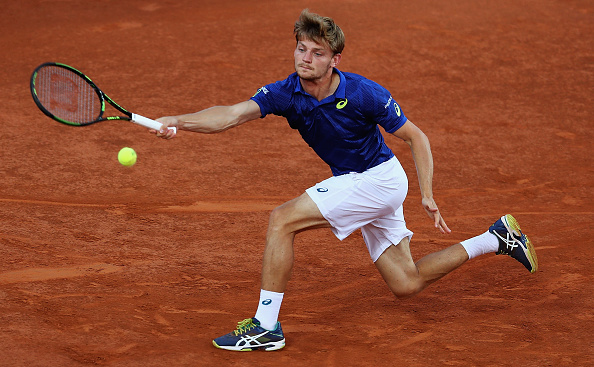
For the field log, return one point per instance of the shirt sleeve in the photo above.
(383, 109)
(274, 98)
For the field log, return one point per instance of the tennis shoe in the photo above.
(513, 242)
(250, 336)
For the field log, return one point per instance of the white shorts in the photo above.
(371, 200)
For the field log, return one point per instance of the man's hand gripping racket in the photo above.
(70, 97)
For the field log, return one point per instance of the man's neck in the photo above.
(323, 87)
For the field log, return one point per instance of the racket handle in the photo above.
(151, 124)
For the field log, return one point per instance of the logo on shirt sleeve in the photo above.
(396, 107)
(263, 89)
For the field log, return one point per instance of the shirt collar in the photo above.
(340, 92)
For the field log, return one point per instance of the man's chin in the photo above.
(306, 76)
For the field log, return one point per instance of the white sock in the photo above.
(481, 244)
(268, 309)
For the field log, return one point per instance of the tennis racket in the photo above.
(70, 97)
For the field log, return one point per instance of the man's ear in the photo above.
(336, 60)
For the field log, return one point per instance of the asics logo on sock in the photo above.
(266, 302)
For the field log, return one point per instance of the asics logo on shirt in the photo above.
(263, 89)
(397, 108)
(340, 105)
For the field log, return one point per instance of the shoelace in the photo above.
(244, 326)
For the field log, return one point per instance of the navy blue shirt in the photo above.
(342, 128)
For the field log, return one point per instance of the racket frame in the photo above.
(129, 116)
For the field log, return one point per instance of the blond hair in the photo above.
(319, 29)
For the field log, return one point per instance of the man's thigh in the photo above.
(299, 214)
(397, 267)
(384, 232)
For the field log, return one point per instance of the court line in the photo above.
(45, 202)
(255, 203)
(43, 274)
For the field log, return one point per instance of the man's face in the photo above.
(314, 60)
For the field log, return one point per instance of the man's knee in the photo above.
(403, 291)
(277, 219)
(399, 270)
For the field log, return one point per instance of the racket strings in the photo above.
(67, 95)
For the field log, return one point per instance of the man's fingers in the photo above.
(444, 227)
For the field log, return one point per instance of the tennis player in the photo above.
(339, 114)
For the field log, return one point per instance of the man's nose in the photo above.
(307, 56)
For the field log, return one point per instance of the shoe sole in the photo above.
(267, 348)
(512, 224)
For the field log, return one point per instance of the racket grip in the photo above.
(151, 124)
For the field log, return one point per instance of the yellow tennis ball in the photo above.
(127, 156)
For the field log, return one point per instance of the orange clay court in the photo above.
(107, 265)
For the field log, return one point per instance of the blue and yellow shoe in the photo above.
(249, 336)
(513, 242)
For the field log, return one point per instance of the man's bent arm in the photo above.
(421, 151)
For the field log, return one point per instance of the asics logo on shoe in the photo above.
(322, 189)
(249, 336)
(510, 243)
(251, 340)
(510, 237)
(266, 302)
